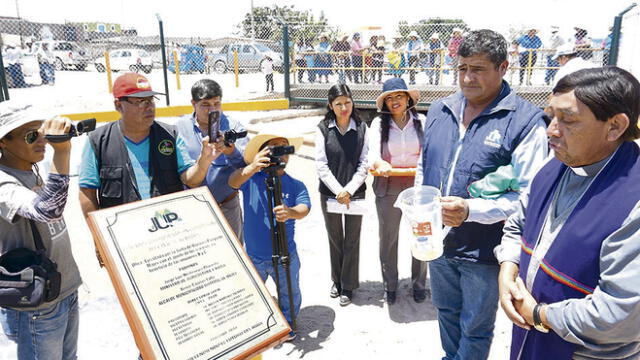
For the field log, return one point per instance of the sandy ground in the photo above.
(368, 328)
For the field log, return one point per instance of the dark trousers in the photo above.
(551, 73)
(47, 73)
(388, 226)
(344, 246)
(269, 78)
(413, 62)
(17, 77)
(300, 63)
(524, 63)
(357, 73)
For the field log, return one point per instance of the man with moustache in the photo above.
(137, 157)
(469, 135)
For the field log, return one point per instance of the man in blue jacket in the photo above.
(468, 135)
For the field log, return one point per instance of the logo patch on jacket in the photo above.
(493, 139)
(166, 147)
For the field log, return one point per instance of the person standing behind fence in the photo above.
(299, 48)
(555, 41)
(267, 69)
(323, 58)
(413, 50)
(341, 48)
(377, 48)
(309, 58)
(528, 56)
(27, 204)
(394, 140)
(433, 58)
(356, 58)
(567, 57)
(454, 44)
(341, 159)
(45, 60)
(469, 135)
(582, 43)
(14, 66)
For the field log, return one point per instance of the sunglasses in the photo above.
(31, 136)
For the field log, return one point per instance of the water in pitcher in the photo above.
(422, 211)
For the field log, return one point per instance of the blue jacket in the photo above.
(487, 144)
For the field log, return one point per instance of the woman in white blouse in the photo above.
(341, 153)
(395, 142)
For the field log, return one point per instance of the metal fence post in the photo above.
(164, 60)
(285, 60)
(4, 90)
(615, 41)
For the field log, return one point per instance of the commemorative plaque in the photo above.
(187, 288)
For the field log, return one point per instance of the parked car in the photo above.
(30, 69)
(68, 54)
(192, 59)
(250, 57)
(134, 60)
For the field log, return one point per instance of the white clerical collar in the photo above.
(592, 170)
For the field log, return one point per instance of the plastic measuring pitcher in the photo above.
(422, 212)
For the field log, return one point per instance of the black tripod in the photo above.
(279, 243)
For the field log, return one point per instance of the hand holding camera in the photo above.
(58, 126)
(55, 135)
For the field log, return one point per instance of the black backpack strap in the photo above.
(36, 236)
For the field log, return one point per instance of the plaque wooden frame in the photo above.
(123, 260)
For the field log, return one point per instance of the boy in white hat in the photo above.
(414, 49)
(251, 180)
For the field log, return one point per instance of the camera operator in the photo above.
(206, 96)
(48, 331)
(251, 179)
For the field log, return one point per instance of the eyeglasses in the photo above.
(397, 97)
(142, 103)
(31, 136)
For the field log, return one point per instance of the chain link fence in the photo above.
(82, 59)
(426, 57)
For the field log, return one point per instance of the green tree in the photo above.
(267, 23)
(427, 27)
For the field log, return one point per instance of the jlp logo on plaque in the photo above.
(163, 220)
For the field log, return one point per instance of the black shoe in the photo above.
(419, 295)
(345, 297)
(391, 297)
(335, 290)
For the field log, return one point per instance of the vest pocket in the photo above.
(111, 182)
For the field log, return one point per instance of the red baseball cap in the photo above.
(132, 85)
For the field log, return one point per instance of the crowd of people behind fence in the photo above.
(357, 60)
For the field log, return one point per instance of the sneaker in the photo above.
(391, 297)
(419, 296)
(345, 297)
(335, 290)
(292, 336)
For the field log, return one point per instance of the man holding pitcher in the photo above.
(469, 135)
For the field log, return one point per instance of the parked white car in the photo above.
(134, 60)
(67, 54)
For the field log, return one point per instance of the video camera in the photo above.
(81, 127)
(275, 156)
(230, 136)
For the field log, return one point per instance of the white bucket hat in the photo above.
(15, 114)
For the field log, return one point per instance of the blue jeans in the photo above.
(551, 73)
(265, 269)
(466, 296)
(47, 334)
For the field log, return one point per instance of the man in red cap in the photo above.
(137, 157)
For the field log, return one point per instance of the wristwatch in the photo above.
(537, 322)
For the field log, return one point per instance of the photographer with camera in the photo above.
(267, 156)
(31, 212)
(206, 99)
